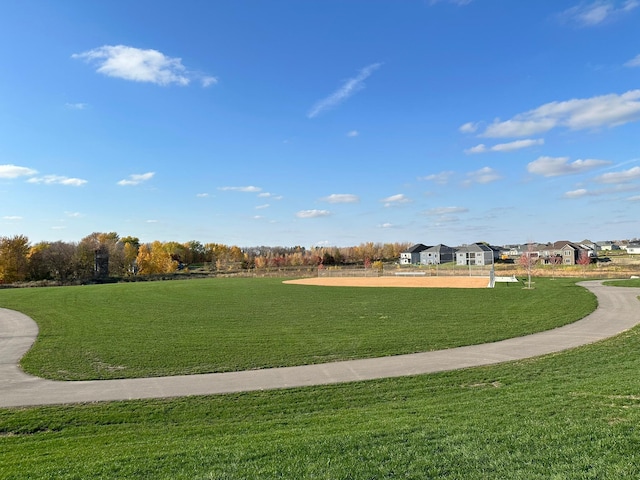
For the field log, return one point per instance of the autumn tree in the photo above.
(584, 259)
(14, 265)
(130, 246)
(154, 259)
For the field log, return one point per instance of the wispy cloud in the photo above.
(202, 195)
(350, 87)
(12, 218)
(577, 114)
(598, 12)
(58, 180)
(263, 206)
(270, 195)
(557, 166)
(446, 210)
(612, 190)
(634, 62)
(136, 179)
(140, 65)
(484, 175)
(313, 213)
(14, 171)
(441, 178)
(624, 176)
(353, 133)
(505, 147)
(341, 198)
(469, 127)
(76, 106)
(395, 200)
(247, 189)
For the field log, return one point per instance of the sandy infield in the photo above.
(420, 282)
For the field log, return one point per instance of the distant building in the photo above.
(411, 256)
(437, 255)
(476, 254)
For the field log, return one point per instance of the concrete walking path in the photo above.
(618, 310)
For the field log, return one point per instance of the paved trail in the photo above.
(618, 310)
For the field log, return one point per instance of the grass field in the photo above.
(624, 283)
(215, 325)
(572, 415)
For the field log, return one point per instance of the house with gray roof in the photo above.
(476, 254)
(411, 256)
(437, 254)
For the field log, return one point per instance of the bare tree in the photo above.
(527, 260)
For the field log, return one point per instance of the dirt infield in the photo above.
(412, 282)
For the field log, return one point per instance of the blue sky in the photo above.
(320, 122)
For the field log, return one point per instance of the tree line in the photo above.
(107, 254)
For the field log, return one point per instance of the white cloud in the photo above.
(350, 87)
(394, 200)
(634, 62)
(581, 192)
(468, 127)
(481, 148)
(313, 213)
(441, 178)
(76, 106)
(620, 177)
(446, 210)
(386, 225)
(577, 114)
(557, 166)
(353, 133)
(208, 81)
(139, 65)
(73, 214)
(247, 189)
(506, 147)
(202, 195)
(635, 198)
(270, 195)
(341, 198)
(14, 171)
(261, 207)
(136, 179)
(484, 175)
(595, 13)
(613, 190)
(12, 217)
(58, 180)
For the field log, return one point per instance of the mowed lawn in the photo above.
(570, 415)
(216, 325)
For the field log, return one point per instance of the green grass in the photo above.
(635, 282)
(572, 415)
(214, 325)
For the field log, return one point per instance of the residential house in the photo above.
(591, 248)
(608, 246)
(437, 255)
(411, 256)
(633, 248)
(569, 252)
(476, 254)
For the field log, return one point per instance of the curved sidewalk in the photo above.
(618, 310)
